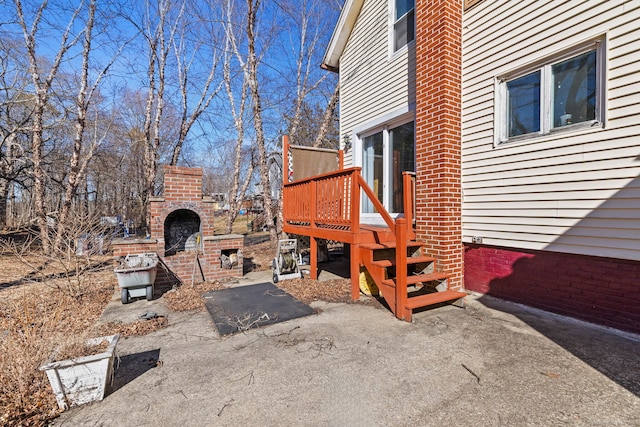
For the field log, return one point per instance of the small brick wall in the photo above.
(123, 247)
(438, 133)
(600, 290)
(208, 263)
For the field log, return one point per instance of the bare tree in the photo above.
(158, 43)
(187, 46)
(67, 127)
(237, 191)
(42, 82)
(61, 156)
(16, 107)
(250, 68)
(249, 63)
(81, 153)
(328, 119)
(307, 27)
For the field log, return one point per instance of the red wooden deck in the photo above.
(327, 206)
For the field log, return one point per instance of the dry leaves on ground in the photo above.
(80, 349)
(36, 319)
(137, 328)
(39, 318)
(309, 290)
(188, 297)
(258, 254)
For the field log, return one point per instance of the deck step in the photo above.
(420, 278)
(433, 298)
(384, 263)
(388, 245)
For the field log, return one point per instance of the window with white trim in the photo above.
(562, 94)
(403, 23)
(386, 154)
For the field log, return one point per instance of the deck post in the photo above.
(313, 258)
(355, 202)
(313, 243)
(354, 269)
(409, 197)
(285, 159)
(401, 270)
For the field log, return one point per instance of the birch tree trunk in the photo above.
(42, 91)
(236, 193)
(328, 117)
(4, 196)
(251, 70)
(78, 165)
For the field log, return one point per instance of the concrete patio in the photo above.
(491, 364)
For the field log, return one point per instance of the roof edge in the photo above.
(342, 31)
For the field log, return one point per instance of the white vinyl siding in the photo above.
(575, 192)
(373, 84)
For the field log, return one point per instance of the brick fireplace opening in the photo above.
(183, 232)
(180, 227)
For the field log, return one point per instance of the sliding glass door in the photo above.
(385, 155)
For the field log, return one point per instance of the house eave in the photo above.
(341, 33)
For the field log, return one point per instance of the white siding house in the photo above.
(527, 121)
(574, 188)
(374, 81)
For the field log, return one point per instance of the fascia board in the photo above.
(341, 33)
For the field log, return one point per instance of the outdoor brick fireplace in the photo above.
(182, 232)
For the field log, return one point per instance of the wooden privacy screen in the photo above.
(309, 161)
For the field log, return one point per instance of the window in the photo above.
(564, 93)
(403, 23)
(403, 156)
(373, 168)
(385, 155)
(523, 100)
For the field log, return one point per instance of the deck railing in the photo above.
(329, 200)
(332, 200)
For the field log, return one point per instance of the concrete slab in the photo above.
(129, 313)
(491, 364)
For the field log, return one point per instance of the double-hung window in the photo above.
(403, 23)
(563, 93)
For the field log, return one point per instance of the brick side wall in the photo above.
(438, 133)
(187, 267)
(122, 248)
(184, 266)
(595, 289)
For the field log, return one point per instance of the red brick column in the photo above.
(182, 183)
(438, 133)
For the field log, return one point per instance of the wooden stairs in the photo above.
(406, 282)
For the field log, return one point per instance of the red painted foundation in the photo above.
(600, 290)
